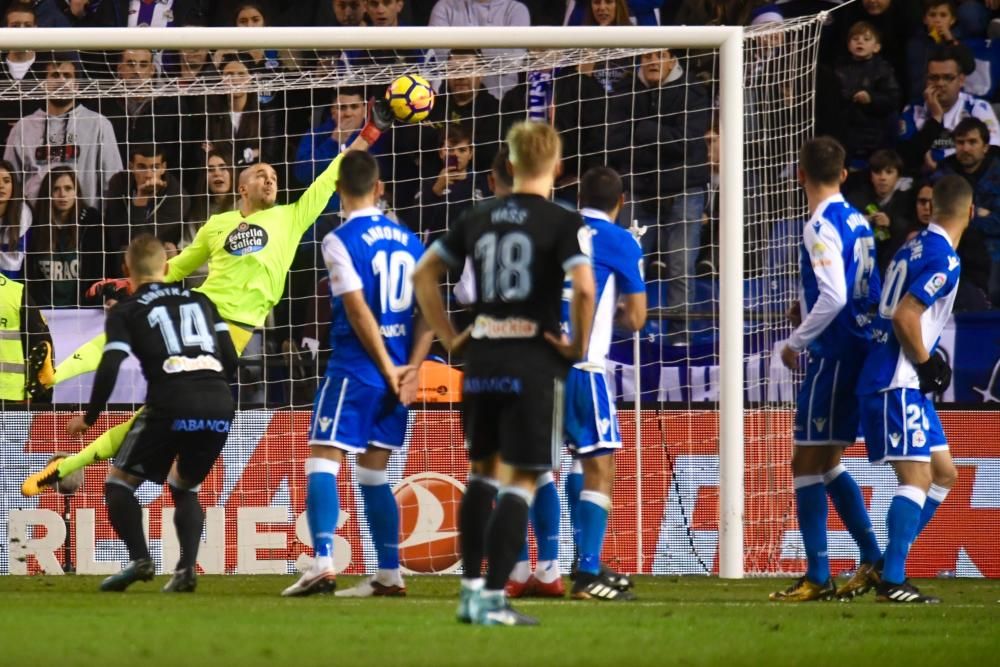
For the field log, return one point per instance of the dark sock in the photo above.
(505, 533)
(189, 520)
(474, 512)
(125, 515)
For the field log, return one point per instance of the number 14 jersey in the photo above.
(377, 256)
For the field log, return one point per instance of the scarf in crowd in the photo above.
(539, 96)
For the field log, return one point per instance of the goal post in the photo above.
(744, 222)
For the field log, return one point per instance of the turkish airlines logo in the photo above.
(428, 522)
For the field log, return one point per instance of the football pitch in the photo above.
(64, 621)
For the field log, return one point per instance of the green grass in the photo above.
(64, 621)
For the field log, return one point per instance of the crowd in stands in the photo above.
(906, 85)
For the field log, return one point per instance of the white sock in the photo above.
(521, 572)
(547, 571)
(323, 563)
(473, 584)
(389, 577)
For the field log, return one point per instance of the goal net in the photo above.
(103, 145)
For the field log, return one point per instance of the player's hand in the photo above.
(790, 358)
(862, 97)
(934, 374)
(564, 346)
(110, 288)
(794, 314)
(77, 425)
(409, 384)
(879, 219)
(377, 121)
(982, 213)
(170, 249)
(934, 108)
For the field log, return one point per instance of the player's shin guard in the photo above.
(322, 507)
(592, 515)
(811, 508)
(504, 535)
(574, 485)
(473, 515)
(189, 519)
(850, 504)
(935, 496)
(902, 523)
(545, 520)
(104, 447)
(382, 515)
(125, 515)
(84, 359)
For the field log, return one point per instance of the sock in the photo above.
(84, 359)
(811, 508)
(125, 515)
(850, 504)
(382, 514)
(473, 515)
(104, 447)
(189, 519)
(322, 507)
(545, 519)
(522, 568)
(592, 515)
(504, 534)
(901, 524)
(574, 485)
(935, 496)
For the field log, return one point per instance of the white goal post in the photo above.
(728, 40)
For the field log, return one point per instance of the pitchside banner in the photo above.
(664, 519)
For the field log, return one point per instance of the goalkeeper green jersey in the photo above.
(248, 258)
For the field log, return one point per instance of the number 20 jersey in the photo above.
(374, 254)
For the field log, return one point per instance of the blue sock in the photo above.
(901, 523)
(574, 485)
(592, 515)
(322, 504)
(545, 520)
(382, 514)
(850, 504)
(935, 496)
(811, 508)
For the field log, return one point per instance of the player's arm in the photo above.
(906, 325)
(824, 248)
(573, 252)
(937, 280)
(465, 289)
(192, 257)
(116, 350)
(629, 276)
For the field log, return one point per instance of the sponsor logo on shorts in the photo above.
(203, 362)
(605, 425)
(198, 425)
(511, 327)
(894, 438)
(819, 423)
(246, 239)
(936, 282)
(324, 423)
(492, 385)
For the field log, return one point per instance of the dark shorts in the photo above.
(515, 410)
(156, 440)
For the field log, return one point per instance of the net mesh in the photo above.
(298, 109)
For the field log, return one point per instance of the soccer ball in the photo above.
(410, 97)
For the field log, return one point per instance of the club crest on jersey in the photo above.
(936, 282)
(246, 239)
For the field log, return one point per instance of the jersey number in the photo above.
(895, 277)
(506, 266)
(194, 329)
(864, 258)
(395, 275)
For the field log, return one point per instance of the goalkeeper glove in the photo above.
(379, 120)
(110, 288)
(934, 374)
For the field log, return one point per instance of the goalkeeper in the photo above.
(249, 252)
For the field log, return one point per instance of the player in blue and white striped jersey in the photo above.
(377, 344)
(839, 291)
(899, 422)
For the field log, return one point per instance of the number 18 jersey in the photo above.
(376, 255)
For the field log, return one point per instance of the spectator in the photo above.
(65, 13)
(971, 251)
(715, 12)
(139, 116)
(974, 16)
(349, 13)
(869, 95)
(979, 163)
(189, 68)
(603, 13)
(64, 133)
(925, 129)
(657, 133)
(575, 104)
(940, 17)
(493, 13)
(644, 12)
(886, 198)
(463, 98)
(159, 14)
(444, 197)
(237, 126)
(383, 14)
(16, 67)
(64, 245)
(214, 192)
(146, 199)
(15, 220)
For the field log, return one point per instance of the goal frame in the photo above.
(729, 41)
